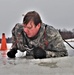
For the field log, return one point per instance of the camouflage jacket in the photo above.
(47, 38)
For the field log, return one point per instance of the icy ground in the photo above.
(49, 66)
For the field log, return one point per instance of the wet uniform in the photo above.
(48, 38)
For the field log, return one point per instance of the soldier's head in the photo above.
(32, 16)
(32, 23)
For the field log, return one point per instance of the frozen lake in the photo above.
(49, 66)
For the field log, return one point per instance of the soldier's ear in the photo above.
(39, 25)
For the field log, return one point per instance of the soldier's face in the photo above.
(30, 29)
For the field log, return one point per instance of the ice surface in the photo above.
(48, 66)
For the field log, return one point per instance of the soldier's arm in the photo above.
(18, 38)
(55, 41)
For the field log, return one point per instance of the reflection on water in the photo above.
(49, 64)
(3, 57)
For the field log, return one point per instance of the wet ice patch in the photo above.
(48, 64)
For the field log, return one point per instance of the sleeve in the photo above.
(18, 38)
(55, 41)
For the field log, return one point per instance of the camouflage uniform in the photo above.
(48, 38)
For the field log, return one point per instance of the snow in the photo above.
(70, 40)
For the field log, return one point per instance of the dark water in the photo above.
(69, 49)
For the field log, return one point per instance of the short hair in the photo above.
(32, 15)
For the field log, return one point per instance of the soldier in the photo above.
(39, 40)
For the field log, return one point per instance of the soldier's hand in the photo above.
(39, 53)
(11, 53)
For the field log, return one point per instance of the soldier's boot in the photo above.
(11, 53)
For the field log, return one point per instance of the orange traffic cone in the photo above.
(3, 42)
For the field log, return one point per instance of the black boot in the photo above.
(11, 53)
